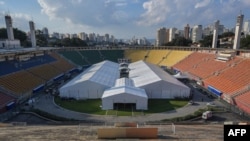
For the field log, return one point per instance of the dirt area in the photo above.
(201, 132)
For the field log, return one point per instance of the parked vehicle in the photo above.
(207, 115)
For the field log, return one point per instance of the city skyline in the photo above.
(121, 18)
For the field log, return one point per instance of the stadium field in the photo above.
(93, 106)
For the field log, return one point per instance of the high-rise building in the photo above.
(215, 35)
(197, 33)
(45, 32)
(246, 27)
(167, 35)
(32, 33)
(106, 37)
(172, 33)
(9, 27)
(238, 31)
(186, 31)
(161, 36)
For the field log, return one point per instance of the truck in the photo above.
(207, 115)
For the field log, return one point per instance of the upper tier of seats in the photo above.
(61, 64)
(243, 101)
(5, 99)
(20, 82)
(136, 55)
(26, 80)
(174, 57)
(156, 56)
(232, 79)
(7, 67)
(74, 56)
(204, 65)
(88, 57)
(159, 57)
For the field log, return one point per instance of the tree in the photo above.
(245, 42)
(226, 34)
(207, 41)
(179, 41)
(18, 34)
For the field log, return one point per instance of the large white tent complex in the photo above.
(91, 83)
(124, 91)
(144, 81)
(156, 82)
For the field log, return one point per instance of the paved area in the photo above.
(46, 103)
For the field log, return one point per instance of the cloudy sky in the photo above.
(121, 18)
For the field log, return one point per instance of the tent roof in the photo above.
(104, 73)
(124, 86)
(144, 73)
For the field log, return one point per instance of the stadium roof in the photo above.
(144, 73)
(105, 73)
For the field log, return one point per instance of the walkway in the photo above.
(46, 103)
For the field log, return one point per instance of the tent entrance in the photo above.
(124, 106)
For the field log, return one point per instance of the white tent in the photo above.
(92, 82)
(156, 82)
(124, 92)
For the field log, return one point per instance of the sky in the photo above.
(122, 18)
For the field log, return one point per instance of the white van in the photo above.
(207, 115)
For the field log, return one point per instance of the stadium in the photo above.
(27, 73)
(135, 91)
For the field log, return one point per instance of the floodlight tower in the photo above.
(32, 33)
(238, 31)
(215, 35)
(9, 27)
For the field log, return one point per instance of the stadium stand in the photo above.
(209, 66)
(91, 56)
(135, 55)
(4, 101)
(12, 66)
(61, 64)
(111, 55)
(46, 72)
(20, 82)
(191, 61)
(74, 56)
(243, 101)
(174, 57)
(156, 56)
(232, 79)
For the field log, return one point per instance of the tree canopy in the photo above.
(179, 41)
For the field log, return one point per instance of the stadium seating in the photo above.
(92, 56)
(112, 55)
(20, 82)
(156, 56)
(174, 57)
(232, 79)
(135, 55)
(74, 56)
(61, 64)
(190, 61)
(209, 66)
(46, 72)
(7, 67)
(243, 101)
(5, 99)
